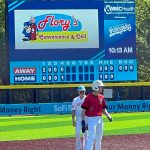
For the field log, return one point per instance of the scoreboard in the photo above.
(71, 41)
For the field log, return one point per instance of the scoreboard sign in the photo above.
(74, 41)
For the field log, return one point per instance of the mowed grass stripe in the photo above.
(126, 123)
(31, 125)
(134, 117)
(53, 117)
(123, 131)
(38, 119)
(33, 116)
(62, 127)
(19, 122)
(35, 126)
(118, 115)
(55, 132)
(50, 117)
(37, 133)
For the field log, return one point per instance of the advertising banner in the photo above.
(56, 29)
(66, 108)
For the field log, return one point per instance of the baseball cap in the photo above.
(81, 88)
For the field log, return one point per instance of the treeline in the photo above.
(143, 39)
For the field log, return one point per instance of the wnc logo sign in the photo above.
(108, 9)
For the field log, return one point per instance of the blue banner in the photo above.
(65, 108)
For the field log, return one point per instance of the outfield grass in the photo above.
(54, 126)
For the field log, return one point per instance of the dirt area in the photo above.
(123, 142)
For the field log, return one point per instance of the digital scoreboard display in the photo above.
(73, 41)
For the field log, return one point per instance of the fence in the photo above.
(21, 94)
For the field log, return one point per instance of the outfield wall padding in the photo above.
(65, 108)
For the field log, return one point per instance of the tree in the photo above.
(2, 16)
(143, 38)
(3, 53)
(2, 22)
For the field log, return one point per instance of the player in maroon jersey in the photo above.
(93, 107)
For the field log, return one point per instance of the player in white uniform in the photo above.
(76, 117)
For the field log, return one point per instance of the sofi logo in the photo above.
(58, 22)
(108, 9)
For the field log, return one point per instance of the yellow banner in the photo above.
(69, 36)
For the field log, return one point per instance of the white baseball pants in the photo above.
(79, 145)
(95, 132)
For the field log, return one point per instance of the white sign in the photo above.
(56, 29)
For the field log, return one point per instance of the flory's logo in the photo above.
(58, 22)
(54, 28)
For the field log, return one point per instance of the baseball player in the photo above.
(93, 107)
(76, 117)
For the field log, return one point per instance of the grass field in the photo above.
(54, 126)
